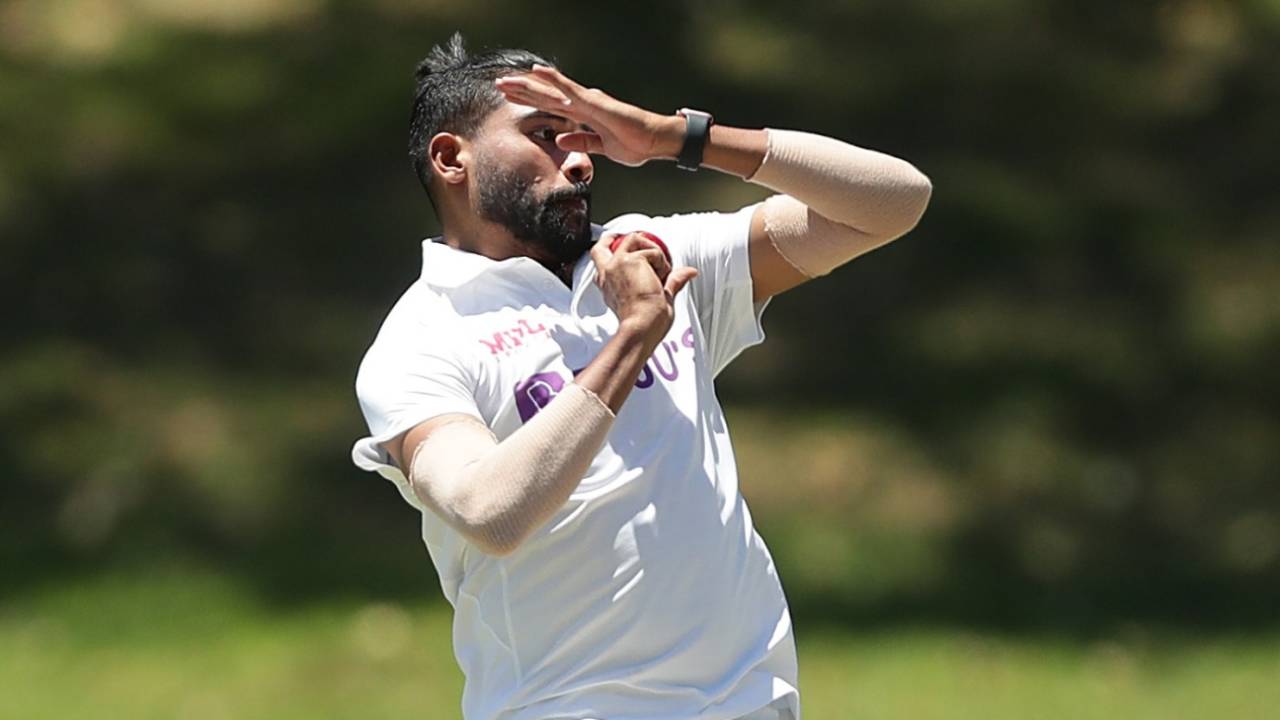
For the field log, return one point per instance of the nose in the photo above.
(578, 167)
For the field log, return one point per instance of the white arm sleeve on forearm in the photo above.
(839, 200)
(497, 493)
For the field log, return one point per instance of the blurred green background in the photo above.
(1020, 463)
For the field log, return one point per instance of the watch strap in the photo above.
(697, 130)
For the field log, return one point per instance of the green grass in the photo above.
(182, 644)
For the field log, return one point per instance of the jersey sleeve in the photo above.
(405, 380)
(716, 244)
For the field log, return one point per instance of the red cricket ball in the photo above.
(613, 244)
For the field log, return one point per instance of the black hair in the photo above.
(455, 93)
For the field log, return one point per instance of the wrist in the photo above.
(668, 137)
(643, 330)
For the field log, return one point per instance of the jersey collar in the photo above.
(447, 267)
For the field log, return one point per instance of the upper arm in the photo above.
(408, 384)
(771, 273)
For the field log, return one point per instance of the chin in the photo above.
(580, 222)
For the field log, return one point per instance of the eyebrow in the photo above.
(544, 115)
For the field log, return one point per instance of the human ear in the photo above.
(448, 155)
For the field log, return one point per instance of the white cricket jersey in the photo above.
(649, 595)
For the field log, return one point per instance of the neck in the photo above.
(494, 241)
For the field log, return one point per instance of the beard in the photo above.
(555, 228)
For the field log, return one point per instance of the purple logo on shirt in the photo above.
(539, 390)
(536, 393)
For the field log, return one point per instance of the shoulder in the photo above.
(640, 221)
(692, 235)
(683, 223)
(420, 324)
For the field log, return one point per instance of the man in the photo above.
(543, 393)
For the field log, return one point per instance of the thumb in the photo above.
(580, 141)
(678, 278)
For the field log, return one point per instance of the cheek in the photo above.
(523, 159)
(537, 163)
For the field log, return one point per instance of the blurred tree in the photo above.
(206, 210)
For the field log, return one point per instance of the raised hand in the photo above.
(620, 131)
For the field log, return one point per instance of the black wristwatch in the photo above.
(697, 129)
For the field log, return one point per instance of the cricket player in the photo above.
(544, 393)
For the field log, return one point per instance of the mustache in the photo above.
(577, 190)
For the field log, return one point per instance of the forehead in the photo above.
(510, 115)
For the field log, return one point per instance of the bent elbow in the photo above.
(910, 199)
(917, 196)
(901, 202)
(476, 519)
(492, 538)
(492, 531)
(494, 547)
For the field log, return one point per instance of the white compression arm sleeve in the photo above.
(839, 200)
(497, 493)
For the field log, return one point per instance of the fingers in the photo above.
(601, 254)
(580, 141)
(559, 80)
(543, 87)
(678, 279)
(522, 90)
(637, 244)
(656, 260)
(629, 241)
(641, 240)
(672, 280)
(549, 85)
(648, 237)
